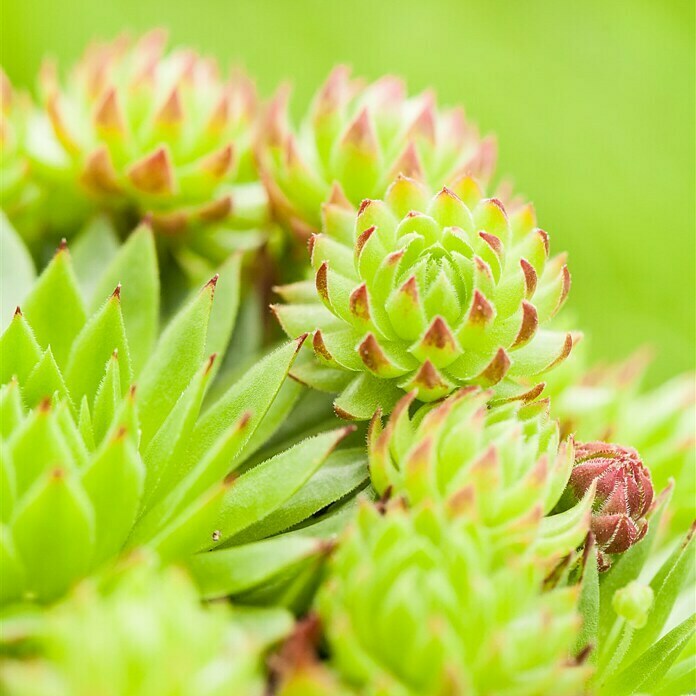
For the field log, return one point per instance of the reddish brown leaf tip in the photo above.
(211, 361)
(45, 404)
(362, 239)
(17, 312)
(116, 294)
(321, 281)
(363, 205)
(320, 347)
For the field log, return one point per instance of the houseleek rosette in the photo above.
(502, 468)
(140, 131)
(427, 294)
(359, 137)
(108, 441)
(623, 495)
(416, 604)
(142, 631)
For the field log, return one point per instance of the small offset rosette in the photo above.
(623, 498)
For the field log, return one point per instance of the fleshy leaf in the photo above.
(134, 268)
(114, 482)
(54, 307)
(343, 472)
(644, 674)
(57, 502)
(103, 334)
(241, 568)
(177, 356)
(261, 490)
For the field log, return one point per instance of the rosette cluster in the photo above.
(428, 293)
(105, 443)
(362, 136)
(417, 604)
(624, 494)
(146, 132)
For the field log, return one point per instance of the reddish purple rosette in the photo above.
(623, 497)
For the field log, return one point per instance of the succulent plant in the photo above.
(427, 294)
(108, 442)
(142, 631)
(623, 495)
(606, 402)
(139, 131)
(503, 468)
(357, 138)
(639, 617)
(416, 604)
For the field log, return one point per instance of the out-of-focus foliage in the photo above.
(593, 108)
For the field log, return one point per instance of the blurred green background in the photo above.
(592, 102)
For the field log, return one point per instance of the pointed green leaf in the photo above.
(172, 365)
(342, 473)
(54, 307)
(19, 350)
(276, 416)
(588, 604)
(164, 457)
(225, 307)
(260, 491)
(114, 483)
(53, 531)
(44, 381)
(16, 270)
(135, 269)
(84, 425)
(243, 568)
(71, 434)
(644, 674)
(192, 529)
(103, 334)
(11, 408)
(253, 394)
(36, 446)
(108, 398)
